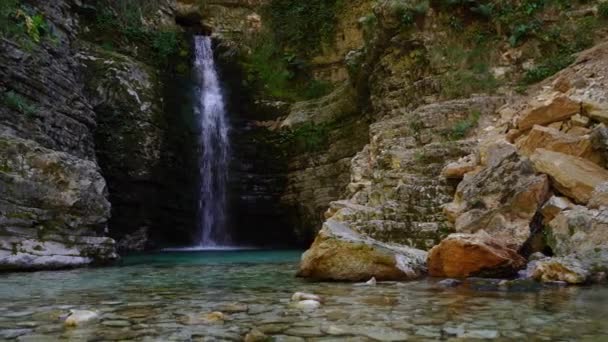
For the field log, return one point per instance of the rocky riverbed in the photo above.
(232, 296)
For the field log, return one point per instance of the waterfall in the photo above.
(215, 147)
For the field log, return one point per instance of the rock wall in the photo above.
(54, 209)
(474, 165)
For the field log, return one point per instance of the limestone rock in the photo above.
(53, 208)
(307, 305)
(574, 177)
(556, 141)
(599, 197)
(465, 255)
(80, 317)
(500, 199)
(300, 296)
(566, 269)
(554, 206)
(580, 231)
(555, 108)
(340, 253)
(457, 170)
(256, 336)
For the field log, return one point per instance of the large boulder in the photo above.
(568, 269)
(501, 199)
(553, 140)
(544, 111)
(53, 208)
(466, 255)
(574, 177)
(579, 231)
(340, 253)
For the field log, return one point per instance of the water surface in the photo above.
(169, 296)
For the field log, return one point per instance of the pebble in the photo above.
(79, 317)
(301, 296)
(447, 283)
(308, 305)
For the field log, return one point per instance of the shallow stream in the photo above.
(170, 296)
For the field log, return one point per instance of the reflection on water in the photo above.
(167, 297)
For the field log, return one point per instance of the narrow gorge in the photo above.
(387, 160)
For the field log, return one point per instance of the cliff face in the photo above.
(439, 159)
(85, 124)
(54, 209)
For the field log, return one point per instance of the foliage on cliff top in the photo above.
(303, 26)
(119, 25)
(23, 24)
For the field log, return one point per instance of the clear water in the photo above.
(164, 297)
(215, 147)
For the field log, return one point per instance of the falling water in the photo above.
(215, 147)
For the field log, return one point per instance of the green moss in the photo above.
(463, 127)
(303, 26)
(18, 103)
(602, 10)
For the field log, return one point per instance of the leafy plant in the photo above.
(18, 103)
(602, 10)
(303, 26)
(462, 128)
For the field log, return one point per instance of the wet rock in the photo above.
(307, 305)
(566, 269)
(13, 333)
(575, 177)
(340, 253)
(447, 283)
(256, 336)
(553, 140)
(300, 296)
(305, 332)
(501, 199)
(233, 308)
(80, 317)
(465, 255)
(545, 111)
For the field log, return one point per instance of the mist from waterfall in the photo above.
(215, 148)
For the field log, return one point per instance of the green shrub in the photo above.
(308, 137)
(463, 127)
(602, 10)
(18, 103)
(303, 26)
(550, 66)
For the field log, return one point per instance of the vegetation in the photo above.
(463, 127)
(23, 24)
(303, 26)
(18, 103)
(119, 24)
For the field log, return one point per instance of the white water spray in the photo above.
(215, 148)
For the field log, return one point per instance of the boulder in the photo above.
(501, 199)
(567, 269)
(555, 108)
(80, 317)
(341, 253)
(467, 255)
(553, 140)
(457, 169)
(574, 177)
(579, 231)
(554, 206)
(53, 208)
(599, 197)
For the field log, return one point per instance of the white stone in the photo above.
(308, 305)
(79, 317)
(300, 296)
